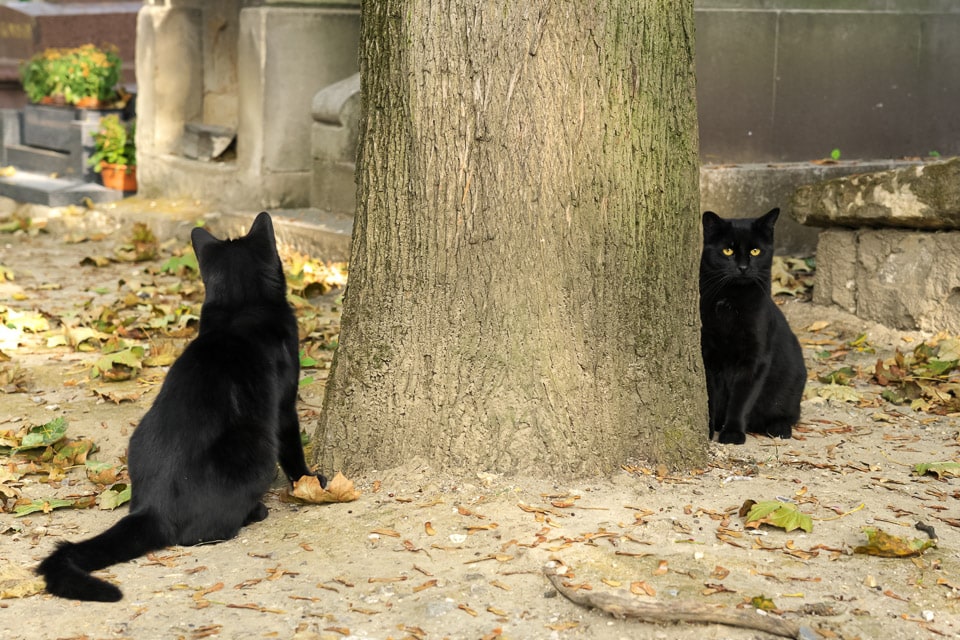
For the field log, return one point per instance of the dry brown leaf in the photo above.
(425, 585)
(308, 490)
(641, 588)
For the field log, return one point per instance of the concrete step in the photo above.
(42, 161)
(36, 188)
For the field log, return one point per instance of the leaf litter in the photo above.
(655, 527)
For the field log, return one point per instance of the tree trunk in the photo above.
(523, 278)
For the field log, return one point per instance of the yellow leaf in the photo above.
(18, 582)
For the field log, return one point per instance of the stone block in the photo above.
(205, 141)
(277, 112)
(836, 279)
(925, 196)
(901, 278)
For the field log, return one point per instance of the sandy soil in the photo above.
(425, 555)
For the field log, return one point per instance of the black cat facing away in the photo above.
(207, 450)
(753, 361)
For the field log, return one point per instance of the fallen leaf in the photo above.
(763, 603)
(640, 588)
(101, 472)
(839, 392)
(308, 490)
(43, 435)
(778, 514)
(881, 543)
(940, 469)
(18, 582)
(115, 496)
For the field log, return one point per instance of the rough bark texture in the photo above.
(523, 287)
(921, 197)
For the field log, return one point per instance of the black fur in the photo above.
(754, 364)
(207, 450)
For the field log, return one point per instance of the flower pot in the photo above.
(119, 176)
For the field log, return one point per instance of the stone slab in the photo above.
(35, 188)
(925, 196)
(901, 278)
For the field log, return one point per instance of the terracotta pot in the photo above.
(119, 177)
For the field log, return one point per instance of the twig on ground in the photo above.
(621, 606)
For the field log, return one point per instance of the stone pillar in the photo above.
(333, 140)
(286, 55)
(170, 76)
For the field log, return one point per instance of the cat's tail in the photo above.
(67, 569)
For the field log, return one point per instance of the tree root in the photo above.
(621, 606)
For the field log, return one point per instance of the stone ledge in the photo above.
(925, 196)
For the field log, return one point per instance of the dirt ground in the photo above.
(427, 555)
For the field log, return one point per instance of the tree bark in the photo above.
(523, 288)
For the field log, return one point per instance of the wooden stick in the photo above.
(621, 606)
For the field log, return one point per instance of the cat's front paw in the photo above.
(322, 478)
(319, 476)
(732, 436)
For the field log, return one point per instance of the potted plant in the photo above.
(115, 153)
(84, 76)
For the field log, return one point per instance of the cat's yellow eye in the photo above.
(727, 251)
(754, 252)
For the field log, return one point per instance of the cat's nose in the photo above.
(742, 268)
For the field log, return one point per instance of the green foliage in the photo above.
(777, 514)
(880, 543)
(835, 154)
(115, 496)
(43, 435)
(114, 143)
(81, 76)
(939, 469)
(843, 375)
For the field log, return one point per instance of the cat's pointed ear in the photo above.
(765, 224)
(769, 218)
(201, 238)
(262, 227)
(711, 222)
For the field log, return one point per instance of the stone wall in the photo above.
(782, 83)
(791, 80)
(252, 70)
